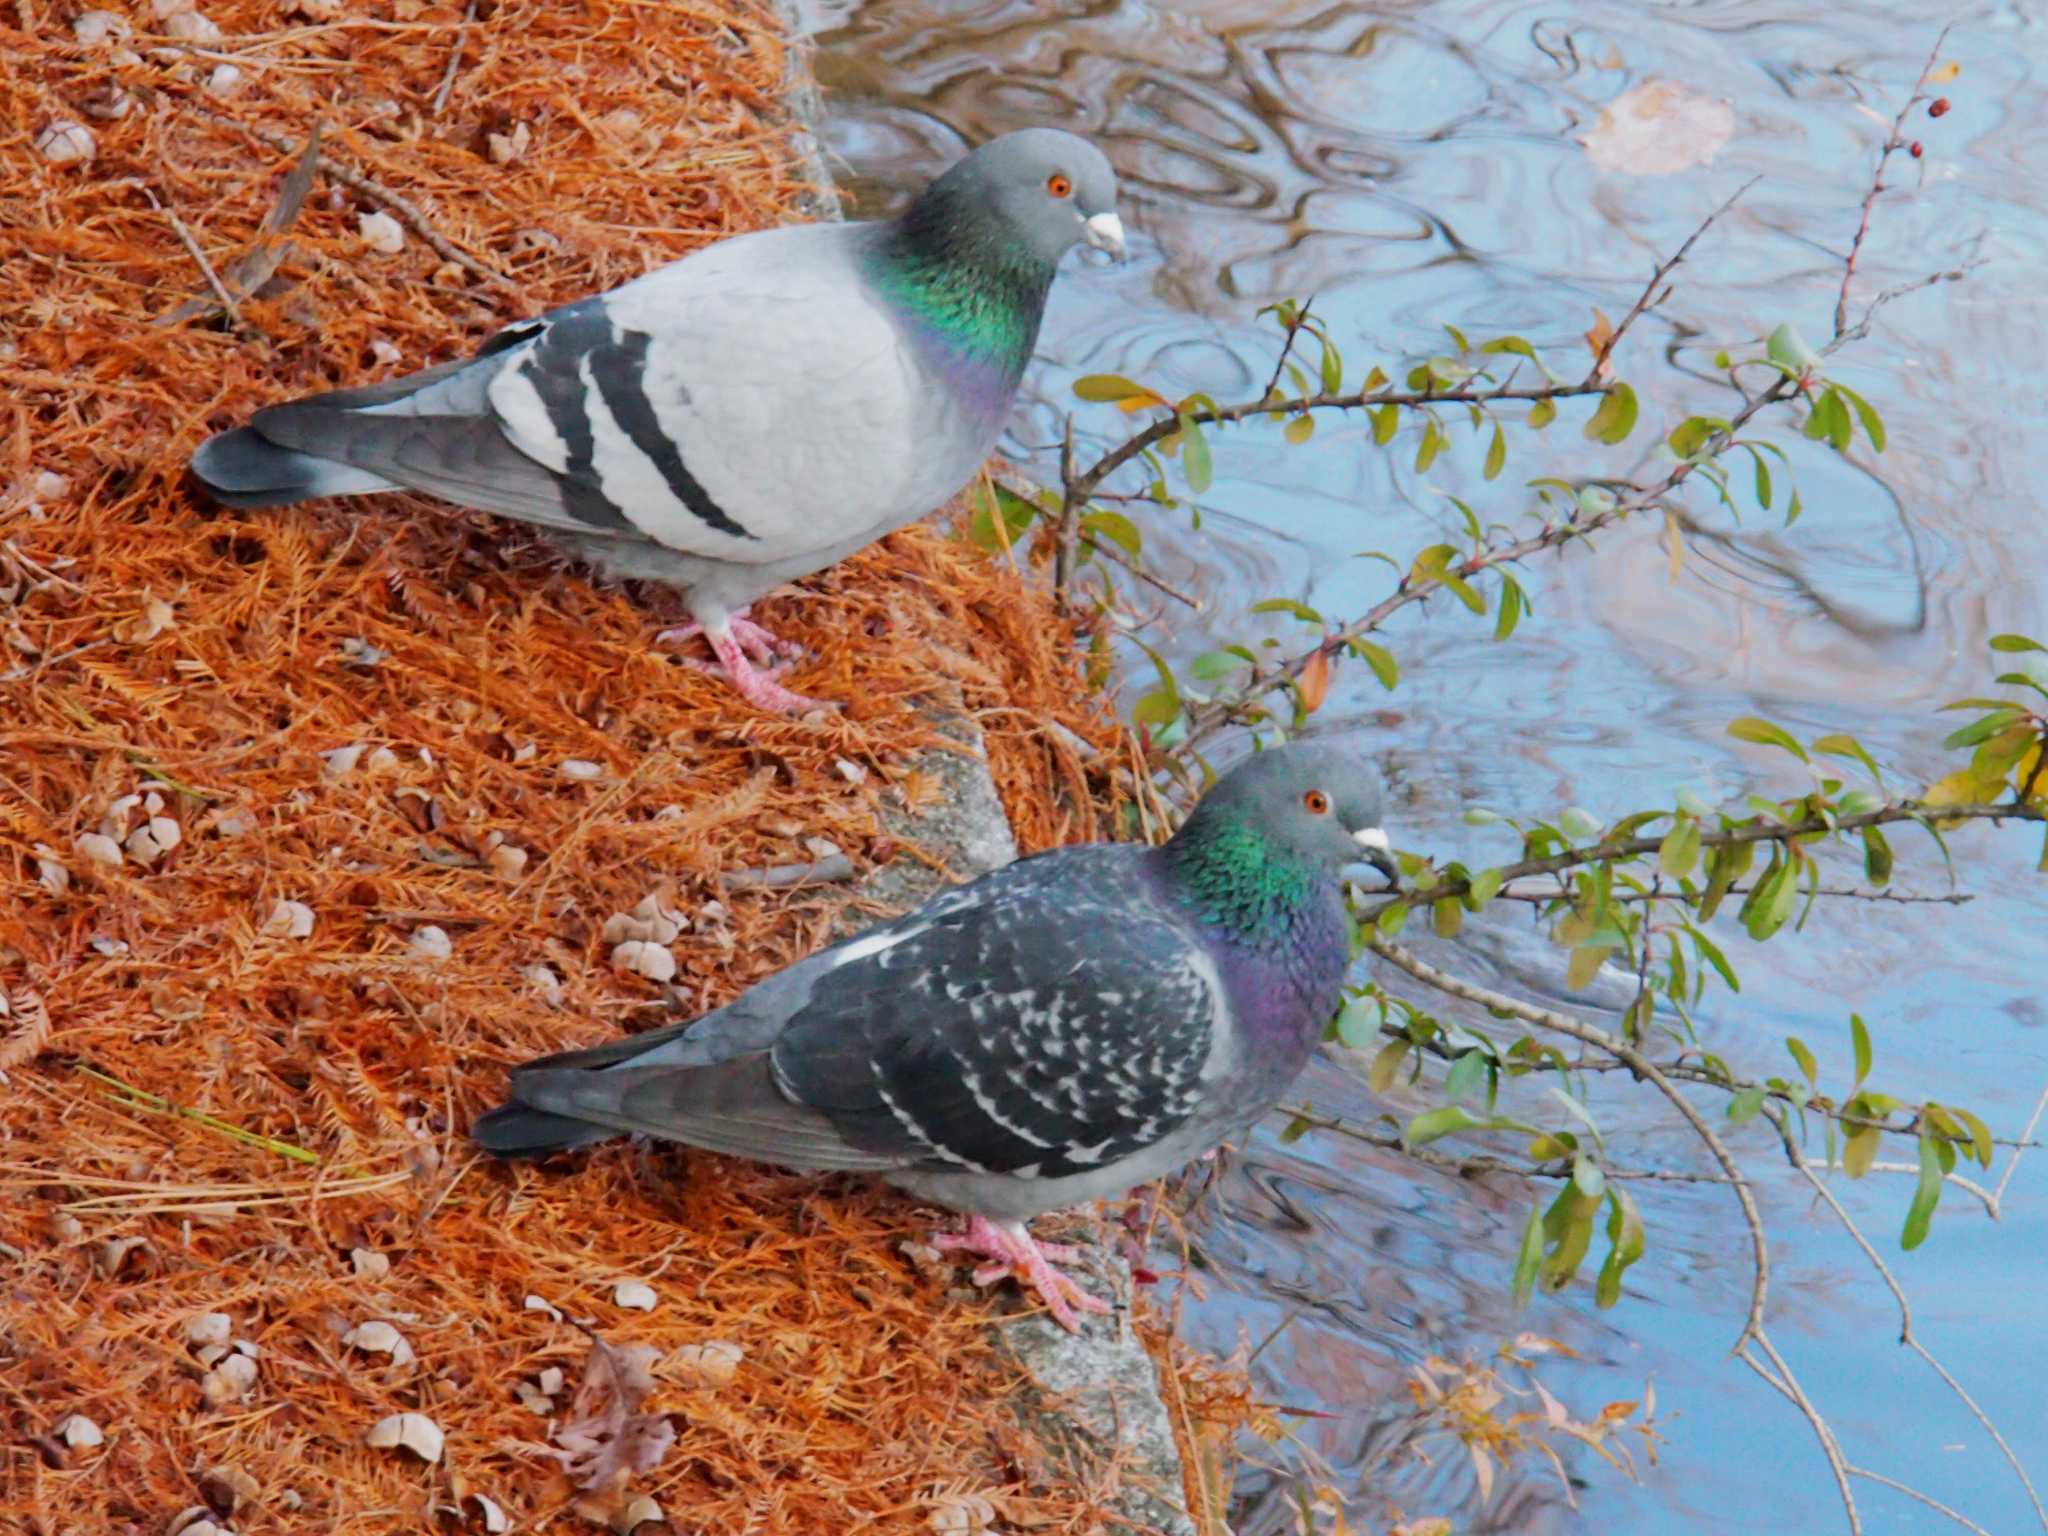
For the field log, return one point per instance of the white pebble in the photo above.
(339, 762)
(224, 80)
(381, 232)
(637, 957)
(99, 848)
(192, 27)
(79, 1432)
(92, 27)
(379, 1338)
(415, 1431)
(291, 920)
(432, 942)
(546, 983)
(369, 1264)
(636, 1294)
(65, 142)
(581, 770)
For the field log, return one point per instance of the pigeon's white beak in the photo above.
(1379, 852)
(1105, 231)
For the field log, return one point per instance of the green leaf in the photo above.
(1435, 1124)
(1750, 728)
(1837, 744)
(2016, 643)
(1432, 445)
(1296, 1128)
(1467, 1075)
(1155, 709)
(1920, 1215)
(1680, 850)
(1358, 1023)
(1616, 417)
(1447, 917)
(1513, 344)
(1386, 421)
(1624, 1245)
(1301, 611)
(1859, 1150)
(1763, 481)
(1194, 456)
(1980, 1137)
(1496, 455)
(1332, 367)
(1527, 1260)
(1484, 887)
(1789, 350)
(1877, 857)
(1112, 386)
(1380, 1075)
(1116, 528)
(1512, 601)
(1747, 1105)
(1542, 414)
(1213, 666)
(1392, 919)
(1873, 424)
(1588, 1178)
(1300, 429)
(1859, 1040)
(1379, 658)
(1981, 729)
(1584, 965)
(1804, 1056)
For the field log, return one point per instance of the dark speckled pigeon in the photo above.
(737, 419)
(1050, 1034)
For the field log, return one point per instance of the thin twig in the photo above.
(781, 877)
(1287, 346)
(1663, 270)
(2026, 1140)
(1852, 893)
(378, 193)
(220, 290)
(1070, 513)
(1894, 141)
(454, 59)
(1907, 1337)
(1915, 1494)
(1478, 1163)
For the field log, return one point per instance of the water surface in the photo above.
(1417, 164)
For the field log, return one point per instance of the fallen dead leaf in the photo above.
(1657, 128)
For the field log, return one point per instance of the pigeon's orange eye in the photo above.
(1058, 185)
(1317, 802)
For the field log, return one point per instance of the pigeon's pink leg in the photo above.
(759, 642)
(1016, 1251)
(738, 643)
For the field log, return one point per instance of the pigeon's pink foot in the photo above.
(750, 657)
(1016, 1252)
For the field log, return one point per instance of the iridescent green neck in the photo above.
(967, 283)
(1236, 880)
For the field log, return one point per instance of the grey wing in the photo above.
(1014, 1036)
(746, 403)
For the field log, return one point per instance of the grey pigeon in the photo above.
(1052, 1033)
(740, 418)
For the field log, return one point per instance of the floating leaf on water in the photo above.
(1657, 128)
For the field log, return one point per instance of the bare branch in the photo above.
(1894, 141)
(1474, 1166)
(2026, 1140)
(1664, 269)
(1852, 893)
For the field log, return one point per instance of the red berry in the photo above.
(1937, 107)
(1915, 150)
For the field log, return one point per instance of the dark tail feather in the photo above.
(516, 1130)
(243, 468)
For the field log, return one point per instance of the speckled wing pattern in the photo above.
(1050, 1027)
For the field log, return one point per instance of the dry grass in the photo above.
(297, 1099)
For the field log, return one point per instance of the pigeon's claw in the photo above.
(1016, 1252)
(750, 656)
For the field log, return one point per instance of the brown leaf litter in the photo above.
(313, 822)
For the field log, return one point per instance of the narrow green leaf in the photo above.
(1981, 729)
(1980, 1137)
(1447, 917)
(1527, 1260)
(1301, 611)
(1584, 965)
(1859, 1040)
(1194, 457)
(1116, 528)
(1763, 481)
(2016, 643)
(1386, 421)
(1542, 414)
(1496, 455)
(1435, 1124)
(1920, 1215)
(1379, 658)
(1624, 1245)
(1877, 857)
(1873, 424)
(1432, 445)
(1332, 368)
(1511, 605)
(1804, 1056)
(1485, 886)
(1746, 1105)
(1156, 709)
(1750, 728)
(1111, 386)
(1213, 666)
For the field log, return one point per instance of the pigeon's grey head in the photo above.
(1313, 798)
(1048, 189)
